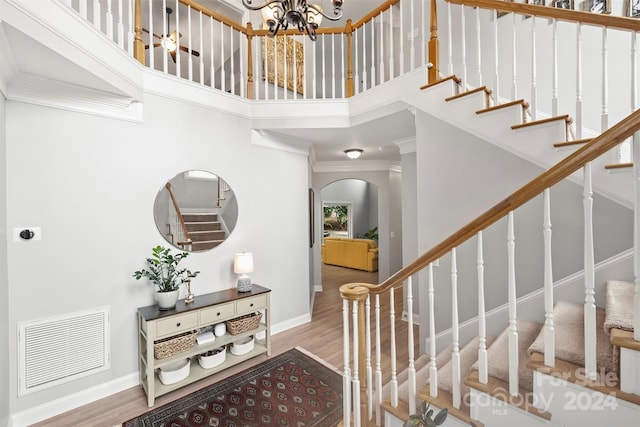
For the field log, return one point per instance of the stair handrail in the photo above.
(598, 19)
(179, 213)
(563, 169)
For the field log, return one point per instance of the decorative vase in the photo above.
(167, 300)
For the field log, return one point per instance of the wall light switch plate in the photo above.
(36, 234)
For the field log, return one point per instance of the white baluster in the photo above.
(382, 51)
(554, 69)
(346, 375)
(314, 70)
(589, 279)
(152, 62)
(367, 318)
(479, 46)
(324, 78)
(483, 369)
(513, 326)
(178, 60)
(284, 62)
(433, 368)
(534, 89)
(333, 66)
(212, 68)
(636, 235)
(120, 26)
(411, 370)
(294, 60)
(378, 374)
(356, 368)
(455, 339)
(496, 73)
(223, 73)
(356, 60)
(364, 58)
(401, 56)
(605, 84)
(579, 81)
(463, 48)
(549, 330)
(514, 65)
(201, 62)
(189, 44)
(392, 66)
(343, 79)
(165, 54)
(109, 21)
(423, 33)
(233, 62)
(130, 32)
(82, 8)
(412, 42)
(304, 84)
(242, 76)
(96, 14)
(450, 38)
(373, 53)
(392, 323)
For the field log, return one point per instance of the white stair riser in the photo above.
(630, 371)
(497, 413)
(573, 405)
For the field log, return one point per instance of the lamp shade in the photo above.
(243, 263)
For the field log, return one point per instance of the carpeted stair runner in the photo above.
(569, 337)
(619, 306)
(498, 354)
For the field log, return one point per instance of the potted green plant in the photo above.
(423, 418)
(164, 272)
(372, 234)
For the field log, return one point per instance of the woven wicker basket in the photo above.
(169, 346)
(244, 323)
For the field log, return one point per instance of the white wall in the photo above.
(90, 183)
(477, 176)
(4, 287)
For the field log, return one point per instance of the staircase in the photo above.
(205, 231)
(563, 366)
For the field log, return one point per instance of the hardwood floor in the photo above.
(322, 337)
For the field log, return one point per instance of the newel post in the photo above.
(250, 93)
(357, 294)
(434, 46)
(138, 44)
(349, 31)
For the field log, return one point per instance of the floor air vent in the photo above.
(62, 348)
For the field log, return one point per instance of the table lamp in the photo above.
(243, 264)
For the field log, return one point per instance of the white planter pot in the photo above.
(167, 300)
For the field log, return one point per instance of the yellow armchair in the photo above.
(361, 254)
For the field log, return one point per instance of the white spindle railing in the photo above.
(549, 332)
(367, 335)
(357, 418)
(411, 370)
(392, 323)
(554, 69)
(605, 82)
(378, 374)
(433, 368)
(513, 326)
(346, 375)
(456, 377)
(533, 102)
(483, 361)
(463, 49)
(589, 279)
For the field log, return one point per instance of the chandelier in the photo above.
(306, 17)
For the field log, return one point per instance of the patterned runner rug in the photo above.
(291, 389)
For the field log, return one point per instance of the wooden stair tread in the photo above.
(456, 80)
(618, 166)
(567, 370)
(564, 117)
(624, 339)
(499, 389)
(470, 92)
(505, 105)
(445, 400)
(571, 143)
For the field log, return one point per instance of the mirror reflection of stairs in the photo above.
(205, 231)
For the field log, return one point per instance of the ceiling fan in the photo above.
(170, 42)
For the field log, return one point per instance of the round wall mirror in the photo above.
(195, 211)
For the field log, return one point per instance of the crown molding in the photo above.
(52, 93)
(275, 141)
(355, 166)
(406, 145)
(8, 66)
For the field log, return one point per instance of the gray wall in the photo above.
(91, 183)
(395, 221)
(4, 274)
(477, 176)
(410, 222)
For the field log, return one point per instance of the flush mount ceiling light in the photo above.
(298, 13)
(353, 153)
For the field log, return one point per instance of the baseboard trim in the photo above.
(73, 401)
